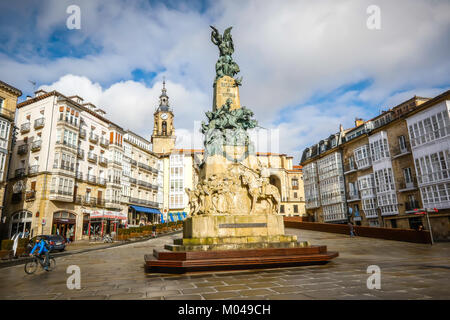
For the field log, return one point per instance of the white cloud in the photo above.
(131, 104)
(288, 52)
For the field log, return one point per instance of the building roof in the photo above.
(413, 104)
(10, 88)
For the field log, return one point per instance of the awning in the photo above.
(171, 216)
(184, 214)
(179, 216)
(146, 210)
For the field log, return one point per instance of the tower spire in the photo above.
(164, 98)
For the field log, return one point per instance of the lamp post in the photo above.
(425, 212)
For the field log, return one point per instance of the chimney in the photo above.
(358, 122)
(28, 97)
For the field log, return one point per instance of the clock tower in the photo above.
(163, 137)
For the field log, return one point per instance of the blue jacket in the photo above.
(42, 245)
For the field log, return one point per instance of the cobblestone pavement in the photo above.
(408, 271)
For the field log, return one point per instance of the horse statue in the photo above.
(260, 188)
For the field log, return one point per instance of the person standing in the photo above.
(352, 232)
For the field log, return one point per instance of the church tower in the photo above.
(163, 137)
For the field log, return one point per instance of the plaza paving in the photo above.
(408, 271)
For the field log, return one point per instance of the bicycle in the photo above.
(32, 265)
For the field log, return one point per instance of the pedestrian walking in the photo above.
(352, 232)
(154, 231)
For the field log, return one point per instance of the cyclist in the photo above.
(43, 248)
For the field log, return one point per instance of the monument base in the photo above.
(186, 261)
(212, 242)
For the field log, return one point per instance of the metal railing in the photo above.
(25, 127)
(82, 133)
(411, 205)
(102, 181)
(80, 154)
(33, 169)
(402, 184)
(36, 145)
(30, 195)
(91, 178)
(400, 151)
(104, 142)
(23, 149)
(93, 137)
(92, 157)
(102, 160)
(39, 123)
(67, 144)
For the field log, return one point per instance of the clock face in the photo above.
(164, 116)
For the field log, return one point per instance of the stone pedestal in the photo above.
(225, 88)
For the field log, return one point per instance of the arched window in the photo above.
(21, 223)
(164, 128)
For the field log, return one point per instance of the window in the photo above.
(282, 208)
(429, 129)
(295, 183)
(362, 156)
(379, 149)
(402, 143)
(407, 175)
(394, 223)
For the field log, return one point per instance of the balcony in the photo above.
(65, 143)
(82, 133)
(65, 165)
(145, 184)
(23, 149)
(91, 178)
(143, 202)
(112, 203)
(92, 157)
(404, 186)
(80, 154)
(133, 162)
(400, 151)
(61, 195)
(103, 161)
(354, 196)
(71, 121)
(79, 176)
(19, 173)
(30, 195)
(349, 168)
(93, 138)
(39, 123)
(114, 180)
(33, 169)
(36, 145)
(133, 180)
(144, 166)
(104, 142)
(102, 181)
(25, 127)
(410, 206)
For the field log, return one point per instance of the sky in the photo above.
(307, 66)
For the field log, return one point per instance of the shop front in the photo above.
(64, 224)
(98, 223)
(141, 216)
